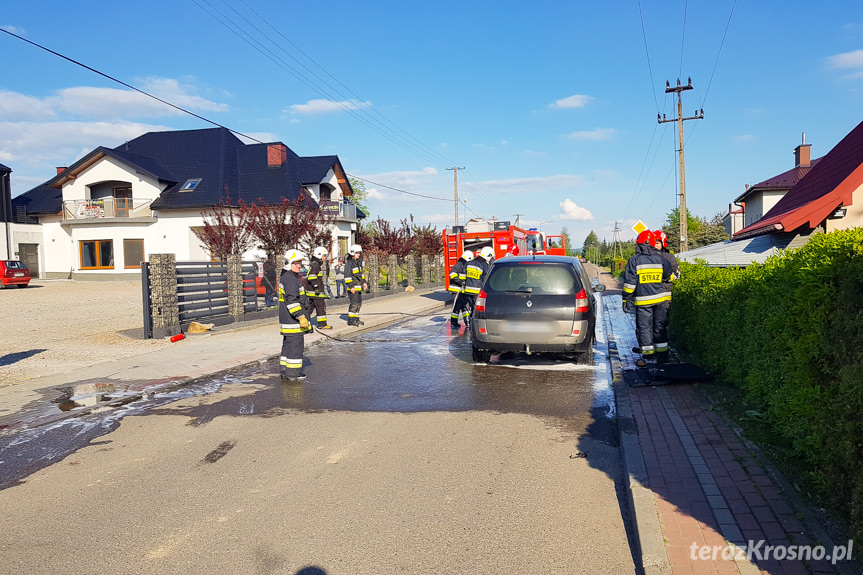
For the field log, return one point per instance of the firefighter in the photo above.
(644, 289)
(293, 321)
(355, 282)
(475, 271)
(457, 279)
(660, 339)
(318, 294)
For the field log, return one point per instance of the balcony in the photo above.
(342, 210)
(107, 210)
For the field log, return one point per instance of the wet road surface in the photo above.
(392, 456)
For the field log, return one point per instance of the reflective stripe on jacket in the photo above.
(316, 279)
(457, 276)
(355, 274)
(292, 303)
(475, 272)
(644, 276)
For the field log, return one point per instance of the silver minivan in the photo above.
(535, 304)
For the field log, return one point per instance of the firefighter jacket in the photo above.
(355, 273)
(475, 272)
(316, 279)
(457, 276)
(675, 267)
(644, 276)
(292, 303)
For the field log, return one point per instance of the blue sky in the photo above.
(551, 109)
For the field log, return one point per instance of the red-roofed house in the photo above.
(824, 198)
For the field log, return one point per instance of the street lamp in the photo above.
(545, 222)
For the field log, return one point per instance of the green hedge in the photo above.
(790, 333)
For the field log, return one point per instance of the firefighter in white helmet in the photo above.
(318, 294)
(355, 282)
(475, 273)
(293, 321)
(457, 279)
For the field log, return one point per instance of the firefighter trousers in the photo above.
(291, 360)
(461, 307)
(356, 302)
(320, 306)
(651, 328)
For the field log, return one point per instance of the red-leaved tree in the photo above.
(390, 239)
(226, 230)
(428, 241)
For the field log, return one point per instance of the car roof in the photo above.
(539, 258)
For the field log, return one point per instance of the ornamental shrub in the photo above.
(790, 334)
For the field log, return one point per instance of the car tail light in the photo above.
(480, 300)
(581, 302)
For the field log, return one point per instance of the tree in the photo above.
(589, 242)
(360, 194)
(567, 242)
(701, 231)
(428, 241)
(297, 223)
(226, 231)
(390, 239)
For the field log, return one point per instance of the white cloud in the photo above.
(574, 101)
(572, 211)
(533, 185)
(328, 106)
(847, 60)
(375, 194)
(745, 138)
(20, 107)
(14, 30)
(594, 135)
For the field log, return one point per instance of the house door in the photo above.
(122, 202)
(29, 254)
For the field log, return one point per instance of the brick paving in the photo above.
(709, 489)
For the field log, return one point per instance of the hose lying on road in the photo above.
(355, 340)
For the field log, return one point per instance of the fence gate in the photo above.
(202, 292)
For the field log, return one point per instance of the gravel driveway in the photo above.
(60, 325)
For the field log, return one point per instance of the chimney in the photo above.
(276, 154)
(801, 154)
(60, 169)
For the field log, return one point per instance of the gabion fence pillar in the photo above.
(373, 272)
(393, 272)
(411, 270)
(235, 286)
(163, 295)
(425, 270)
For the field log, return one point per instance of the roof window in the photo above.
(190, 185)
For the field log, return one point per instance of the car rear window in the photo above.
(539, 278)
(15, 265)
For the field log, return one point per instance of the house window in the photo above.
(190, 185)
(97, 255)
(133, 253)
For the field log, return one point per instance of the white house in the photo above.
(102, 216)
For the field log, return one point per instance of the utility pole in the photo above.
(455, 170)
(684, 215)
(517, 217)
(616, 247)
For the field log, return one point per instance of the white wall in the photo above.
(108, 169)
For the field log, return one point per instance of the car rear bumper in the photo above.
(15, 281)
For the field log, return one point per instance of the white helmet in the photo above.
(467, 255)
(355, 249)
(292, 256)
(320, 253)
(487, 253)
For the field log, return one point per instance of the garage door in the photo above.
(29, 254)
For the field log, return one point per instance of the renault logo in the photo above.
(529, 303)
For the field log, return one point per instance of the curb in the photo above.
(650, 543)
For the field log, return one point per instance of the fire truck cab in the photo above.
(500, 235)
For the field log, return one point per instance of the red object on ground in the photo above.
(177, 337)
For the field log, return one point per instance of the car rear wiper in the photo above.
(525, 290)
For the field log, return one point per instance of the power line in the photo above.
(646, 51)
(683, 36)
(721, 44)
(189, 112)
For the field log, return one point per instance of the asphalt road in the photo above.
(394, 456)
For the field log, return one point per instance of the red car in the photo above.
(14, 273)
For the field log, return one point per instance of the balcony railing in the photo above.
(106, 208)
(342, 209)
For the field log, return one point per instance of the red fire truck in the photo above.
(500, 236)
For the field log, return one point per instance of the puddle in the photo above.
(91, 395)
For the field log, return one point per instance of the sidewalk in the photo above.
(695, 486)
(35, 402)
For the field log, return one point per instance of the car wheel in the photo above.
(586, 357)
(481, 355)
